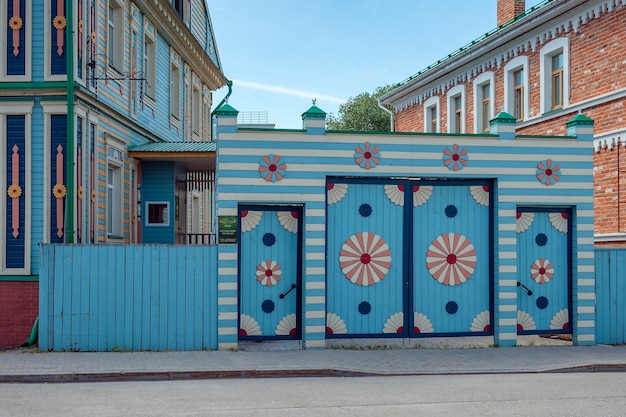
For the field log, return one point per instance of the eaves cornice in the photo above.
(521, 36)
(172, 28)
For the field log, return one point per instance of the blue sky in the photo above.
(280, 54)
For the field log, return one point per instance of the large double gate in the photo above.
(409, 258)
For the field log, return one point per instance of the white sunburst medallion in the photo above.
(289, 220)
(482, 322)
(395, 194)
(480, 193)
(560, 321)
(335, 325)
(421, 324)
(365, 258)
(394, 324)
(451, 259)
(559, 221)
(523, 220)
(250, 219)
(248, 326)
(525, 321)
(336, 192)
(287, 326)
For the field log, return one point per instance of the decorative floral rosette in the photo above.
(548, 172)
(14, 191)
(367, 156)
(268, 273)
(541, 271)
(272, 168)
(59, 191)
(455, 157)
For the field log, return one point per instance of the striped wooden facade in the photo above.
(62, 187)
(510, 175)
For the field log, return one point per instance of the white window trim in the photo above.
(196, 108)
(48, 45)
(85, 35)
(116, 63)
(49, 108)
(545, 83)
(520, 62)
(484, 78)
(118, 145)
(25, 109)
(457, 90)
(434, 101)
(175, 106)
(149, 33)
(26, 48)
(147, 215)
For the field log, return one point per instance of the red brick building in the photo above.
(542, 66)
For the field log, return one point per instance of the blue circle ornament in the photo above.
(542, 302)
(269, 239)
(451, 211)
(365, 210)
(267, 306)
(365, 308)
(452, 307)
(541, 239)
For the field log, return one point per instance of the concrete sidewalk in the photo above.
(281, 360)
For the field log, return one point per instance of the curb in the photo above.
(274, 373)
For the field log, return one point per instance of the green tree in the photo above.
(361, 113)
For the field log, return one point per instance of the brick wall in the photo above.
(19, 306)
(597, 67)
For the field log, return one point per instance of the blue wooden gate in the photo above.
(544, 271)
(452, 260)
(270, 248)
(408, 263)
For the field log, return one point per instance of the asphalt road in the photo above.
(536, 395)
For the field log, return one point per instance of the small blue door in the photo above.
(270, 272)
(544, 271)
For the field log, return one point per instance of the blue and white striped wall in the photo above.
(517, 164)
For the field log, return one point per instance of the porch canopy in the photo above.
(194, 156)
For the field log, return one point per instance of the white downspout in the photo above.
(386, 110)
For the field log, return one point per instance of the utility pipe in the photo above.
(71, 180)
(34, 333)
(229, 84)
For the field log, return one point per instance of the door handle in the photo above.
(519, 284)
(283, 295)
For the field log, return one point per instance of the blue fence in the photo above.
(128, 297)
(610, 296)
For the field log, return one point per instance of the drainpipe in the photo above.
(229, 84)
(71, 192)
(386, 110)
(34, 333)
